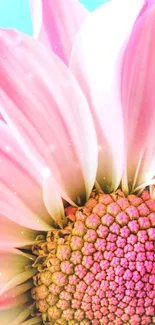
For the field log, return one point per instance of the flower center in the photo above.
(100, 269)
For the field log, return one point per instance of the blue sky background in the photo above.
(16, 13)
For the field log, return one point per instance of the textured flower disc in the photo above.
(100, 269)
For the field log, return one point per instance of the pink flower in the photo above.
(81, 116)
(57, 25)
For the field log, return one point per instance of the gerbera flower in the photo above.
(77, 233)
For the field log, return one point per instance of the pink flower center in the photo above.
(100, 269)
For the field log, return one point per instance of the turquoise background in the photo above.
(16, 13)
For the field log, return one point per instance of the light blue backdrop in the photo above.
(16, 13)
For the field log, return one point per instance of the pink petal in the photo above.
(138, 95)
(13, 235)
(36, 17)
(16, 316)
(10, 146)
(13, 269)
(7, 318)
(33, 321)
(60, 23)
(16, 296)
(50, 200)
(1, 117)
(96, 62)
(152, 191)
(20, 191)
(150, 2)
(48, 114)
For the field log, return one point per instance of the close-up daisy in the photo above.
(77, 166)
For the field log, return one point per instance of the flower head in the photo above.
(78, 166)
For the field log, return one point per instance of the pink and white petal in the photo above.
(20, 189)
(138, 96)
(33, 321)
(36, 16)
(8, 318)
(10, 146)
(60, 23)
(152, 191)
(16, 296)
(150, 2)
(14, 262)
(48, 114)
(14, 235)
(1, 118)
(14, 267)
(8, 301)
(18, 279)
(96, 62)
(50, 200)
(23, 315)
(14, 208)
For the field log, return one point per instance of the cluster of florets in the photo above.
(100, 269)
